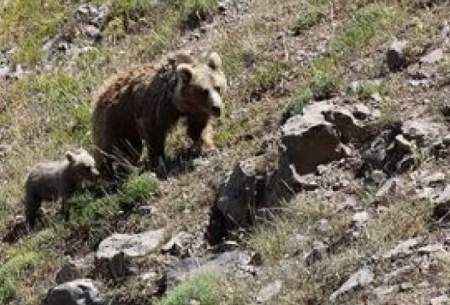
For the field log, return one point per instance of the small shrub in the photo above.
(367, 89)
(323, 80)
(267, 76)
(194, 11)
(5, 209)
(307, 20)
(139, 187)
(202, 289)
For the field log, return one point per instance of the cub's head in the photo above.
(82, 164)
(200, 86)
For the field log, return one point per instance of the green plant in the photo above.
(139, 187)
(28, 23)
(12, 270)
(366, 23)
(322, 78)
(307, 20)
(296, 104)
(268, 75)
(203, 289)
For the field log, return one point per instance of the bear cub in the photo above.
(53, 180)
(142, 105)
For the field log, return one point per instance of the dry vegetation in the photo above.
(49, 110)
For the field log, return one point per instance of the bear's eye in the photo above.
(205, 92)
(217, 89)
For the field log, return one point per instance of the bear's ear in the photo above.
(185, 72)
(214, 61)
(70, 156)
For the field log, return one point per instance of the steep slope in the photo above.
(353, 231)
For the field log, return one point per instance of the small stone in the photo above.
(268, 292)
(296, 243)
(319, 250)
(431, 249)
(389, 188)
(440, 300)
(178, 244)
(360, 219)
(444, 197)
(407, 286)
(360, 279)
(403, 249)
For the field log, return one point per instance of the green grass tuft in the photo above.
(202, 289)
(366, 23)
(307, 20)
(267, 76)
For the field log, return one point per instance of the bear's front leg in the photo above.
(155, 151)
(200, 131)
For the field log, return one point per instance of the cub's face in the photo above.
(83, 164)
(200, 87)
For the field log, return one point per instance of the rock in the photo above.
(177, 246)
(433, 57)
(225, 263)
(319, 251)
(295, 244)
(423, 131)
(146, 210)
(268, 292)
(440, 300)
(360, 219)
(403, 249)
(433, 179)
(92, 32)
(360, 279)
(441, 212)
(115, 253)
(444, 197)
(395, 55)
(431, 249)
(389, 188)
(74, 269)
(309, 140)
(406, 286)
(92, 14)
(241, 194)
(78, 292)
(398, 273)
(382, 291)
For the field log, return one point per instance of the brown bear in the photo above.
(143, 104)
(57, 180)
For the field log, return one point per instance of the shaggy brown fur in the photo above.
(144, 104)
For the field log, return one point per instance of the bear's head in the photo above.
(200, 86)
(82, 164)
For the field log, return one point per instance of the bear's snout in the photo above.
(216, 104)
(95, 173)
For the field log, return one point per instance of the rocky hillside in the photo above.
(331, 184)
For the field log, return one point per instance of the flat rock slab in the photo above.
(131, 245)
(224, 263)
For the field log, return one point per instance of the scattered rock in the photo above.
(431, 249)
(406, 286)
(382, 291)
(423, 131)
(115, 253)
(269, 292)
(228, 262)
(360, 219)
(389, 188)
(444, 197)
(440, 300)
(92, 14)
(395, 55)
(295, 244)
(241, 196)
(74, 269)
(177, 246)
(319, 251)
(403, 249)
(433, 57)
(78, 292)
(360, 279)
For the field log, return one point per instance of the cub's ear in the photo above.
(214, 61)
(70, 156)
(185, 72)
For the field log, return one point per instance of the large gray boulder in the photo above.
(77, 292)
(115, 254)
